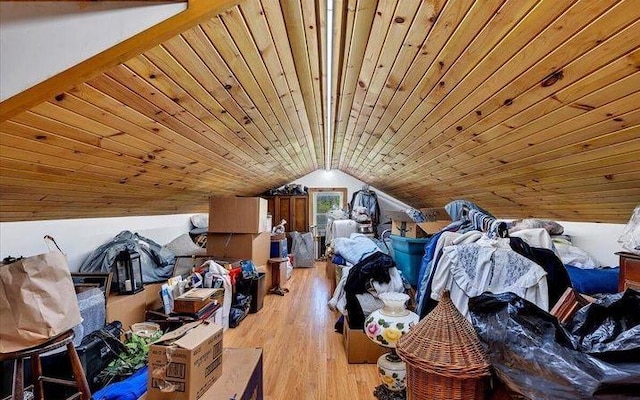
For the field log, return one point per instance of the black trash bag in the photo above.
(239, 309)
(609, 328)
(535, 357)
(156, 261)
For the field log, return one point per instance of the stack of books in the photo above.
(198, 303)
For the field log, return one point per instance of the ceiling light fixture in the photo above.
(328, 137)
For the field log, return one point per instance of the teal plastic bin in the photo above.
(408, 253)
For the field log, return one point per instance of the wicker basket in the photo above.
(444, 357)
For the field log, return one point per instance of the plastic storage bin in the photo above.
(408, 253)
(279, 248)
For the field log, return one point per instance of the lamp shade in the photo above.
(386, 325)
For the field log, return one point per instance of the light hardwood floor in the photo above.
(304, 359)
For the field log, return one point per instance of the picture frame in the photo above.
(321, 202)
(86, 281)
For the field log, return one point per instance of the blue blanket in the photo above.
(592, 281)
(129, 389)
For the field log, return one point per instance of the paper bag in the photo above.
(37, 301)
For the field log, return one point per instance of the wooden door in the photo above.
(300, 214)
(283, 207)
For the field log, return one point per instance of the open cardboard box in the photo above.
(359, 349)
(183, 364)
(402, 225)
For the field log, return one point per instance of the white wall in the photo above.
(41, 39)
(79, 237)
(326, 179)
(598, 239)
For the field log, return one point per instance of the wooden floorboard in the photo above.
(303, 357)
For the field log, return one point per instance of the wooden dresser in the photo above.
(629, 271)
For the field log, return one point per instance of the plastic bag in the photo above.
(302, 249)
(630, 238)
(157, 261)
(535, 357)
(610, 328)
(239, 309)
(249, 270)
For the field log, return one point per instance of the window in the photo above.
(322, 201)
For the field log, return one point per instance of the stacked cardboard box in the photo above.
(245, 246)
(239, 229)
(238, 215)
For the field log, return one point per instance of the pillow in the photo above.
(200, 220)
(552, 227)
(573, 255)
(184, 246)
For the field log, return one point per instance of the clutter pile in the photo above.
(288, 190)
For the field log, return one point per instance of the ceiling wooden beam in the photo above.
(197, 11)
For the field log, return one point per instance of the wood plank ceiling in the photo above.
(528, 108)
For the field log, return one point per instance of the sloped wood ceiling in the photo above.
(528, 108)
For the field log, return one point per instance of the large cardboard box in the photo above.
(246, 246)
(242, 377)
(127, 309)
(402, 225)
(358, 347)
(153, 297)
(186, 367)
(238, 215)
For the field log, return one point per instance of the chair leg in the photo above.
(18, 379)
(78, 372)
(36, 373)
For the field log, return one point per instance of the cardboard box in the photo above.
(246, 246)
(242, 377)
(358, 347)
(127, 309)
(330, 271)
(189, 306)
(238, 215)
(153, 298)
(404, 226)
(188, 365)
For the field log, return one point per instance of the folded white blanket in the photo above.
(354, 248)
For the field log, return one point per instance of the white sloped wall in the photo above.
(41, 39)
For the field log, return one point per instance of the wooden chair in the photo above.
(34, 353)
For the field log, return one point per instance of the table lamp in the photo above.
(384, 327)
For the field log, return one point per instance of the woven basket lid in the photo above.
(444, 343)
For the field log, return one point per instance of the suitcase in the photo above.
(95, 354)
